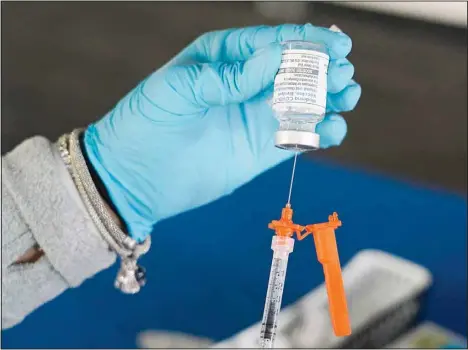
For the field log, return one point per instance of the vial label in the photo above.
(301, 82)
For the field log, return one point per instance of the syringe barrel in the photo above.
(281, 246)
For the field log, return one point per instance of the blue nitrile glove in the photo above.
(200, 127)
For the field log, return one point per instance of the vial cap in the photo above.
(297, 140)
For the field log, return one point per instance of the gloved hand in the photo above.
(200, 127)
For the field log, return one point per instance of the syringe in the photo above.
(281, 246)
(327, 253)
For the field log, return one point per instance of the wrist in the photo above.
(131, 276)
(104, 194)
(121, 192)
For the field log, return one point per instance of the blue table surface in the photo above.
(208, 268)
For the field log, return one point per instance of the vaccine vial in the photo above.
(300, 94)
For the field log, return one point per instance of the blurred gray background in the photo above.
(65, 64)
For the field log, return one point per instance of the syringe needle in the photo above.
(292, 179)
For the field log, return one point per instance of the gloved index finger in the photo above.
(240, 44)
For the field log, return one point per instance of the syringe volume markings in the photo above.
(281, 247)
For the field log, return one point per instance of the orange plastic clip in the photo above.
(285, 227)
(327, 254)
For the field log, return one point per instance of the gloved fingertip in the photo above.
(343, 39)
(307, 28)
(355, 87)
(339, 44)
(347, 70)
(341, 48)
(339, 76)
(332, 130)
(353, 93)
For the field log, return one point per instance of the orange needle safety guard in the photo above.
(285, 227)
(327, 254)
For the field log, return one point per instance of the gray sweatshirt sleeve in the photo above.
(40, 205)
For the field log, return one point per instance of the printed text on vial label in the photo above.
(302, 80)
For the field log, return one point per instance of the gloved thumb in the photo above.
(223, 83)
